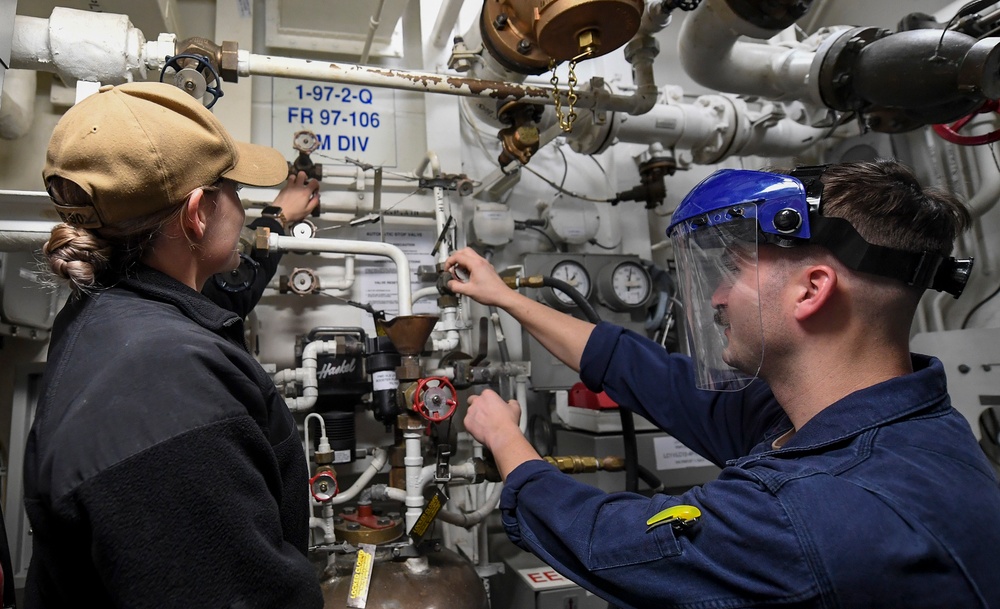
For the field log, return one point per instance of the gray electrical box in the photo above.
(528, 583)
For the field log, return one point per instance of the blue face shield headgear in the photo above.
(716, 231)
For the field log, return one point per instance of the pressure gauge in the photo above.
(573, 273)
(624, 285)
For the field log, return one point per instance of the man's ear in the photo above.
(193, 216)
(815, 288)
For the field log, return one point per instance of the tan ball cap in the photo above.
(139, 148)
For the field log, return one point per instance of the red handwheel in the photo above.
(434, 398)
(951, 132)
(323, 486)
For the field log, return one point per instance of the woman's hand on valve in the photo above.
(476, 278)
(494, 423)
(298, 197)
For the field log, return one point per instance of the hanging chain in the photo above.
(565, 120)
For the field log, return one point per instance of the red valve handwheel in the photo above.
(436, 389)
(951, 132)
(323, 487)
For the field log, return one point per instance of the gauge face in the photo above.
(573, 273)
(625, 285)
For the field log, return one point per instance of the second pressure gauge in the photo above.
(625, 285)
(573, 273)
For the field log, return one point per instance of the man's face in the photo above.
(737, 307)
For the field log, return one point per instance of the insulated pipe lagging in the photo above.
(80, 45)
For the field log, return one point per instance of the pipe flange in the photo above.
(979, 69)
(835, 73)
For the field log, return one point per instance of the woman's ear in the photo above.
(816, 286)
(194, 218)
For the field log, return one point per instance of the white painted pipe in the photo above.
(422, 293)
(325, 524)
(471, 519)
(306, 375)
(423, 82)
(522, 399)
(447, 17)
(448, 325)
(430, 160)
(711, 54)
(17, 107)
(716, 126)
(379, 458)
(279, 243)
(372, 28)
(413, 461)
(344, 283)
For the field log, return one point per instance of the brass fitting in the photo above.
(534, 281)
(262, 238)
(576, 464)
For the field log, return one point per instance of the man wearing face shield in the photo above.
(848, 479)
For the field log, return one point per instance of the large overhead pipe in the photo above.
(895, 81)
(80, 45)
(712, 54)
(904, 80)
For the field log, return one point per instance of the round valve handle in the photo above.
(440, 393)
(951, 132)
(323, 487)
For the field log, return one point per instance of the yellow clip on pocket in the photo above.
(678, 516)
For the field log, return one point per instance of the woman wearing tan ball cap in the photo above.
(163, 468)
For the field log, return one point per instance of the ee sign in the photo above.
(353, 121)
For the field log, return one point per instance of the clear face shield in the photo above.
(717, 273)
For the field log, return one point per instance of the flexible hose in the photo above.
(628, 423)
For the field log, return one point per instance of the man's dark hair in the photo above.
(887, 206)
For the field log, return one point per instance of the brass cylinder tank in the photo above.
(435, 580)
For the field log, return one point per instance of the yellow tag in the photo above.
(678, 516)
(362, 576)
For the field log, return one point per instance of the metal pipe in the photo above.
(379, 459)
(372, 27)
(306, 374)
(423, 82)
(413, 461)
(278, 243)
(17, 110)
(445, 23)
(712, 55)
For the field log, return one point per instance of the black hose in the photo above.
(628, 423)
(573, 293)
